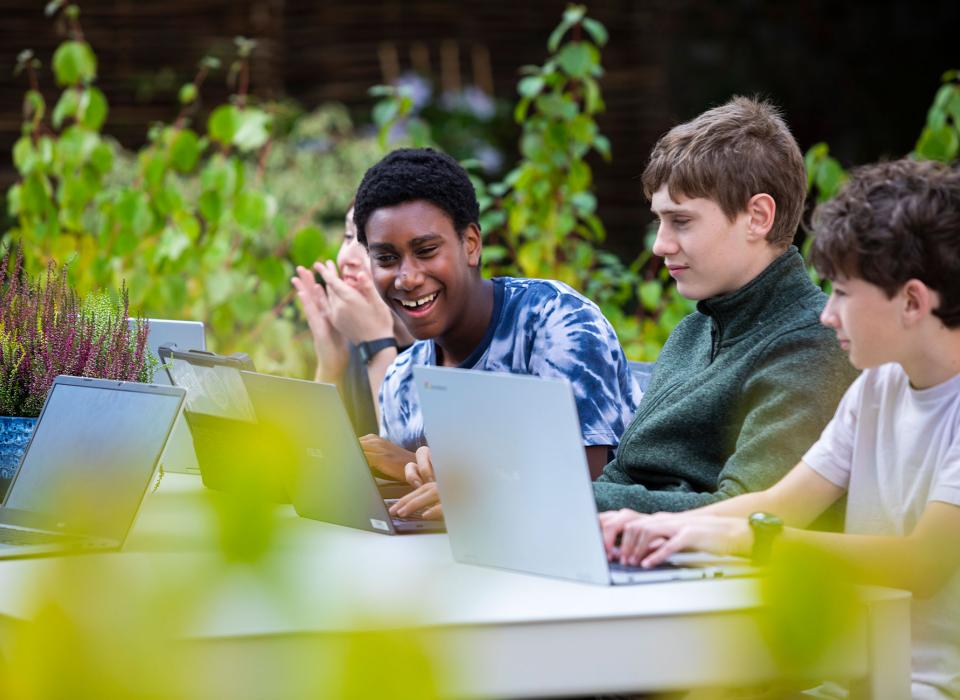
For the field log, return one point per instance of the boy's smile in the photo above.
(705, 252)
(427, 273)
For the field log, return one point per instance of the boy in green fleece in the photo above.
(748, 381)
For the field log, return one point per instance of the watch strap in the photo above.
(369, 348)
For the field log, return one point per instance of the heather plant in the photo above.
(45, 330)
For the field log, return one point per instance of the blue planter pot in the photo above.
(14, 435)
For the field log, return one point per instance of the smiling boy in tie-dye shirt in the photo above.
(417, 213)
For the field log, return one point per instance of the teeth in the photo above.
(418, 302)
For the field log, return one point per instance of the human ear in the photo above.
(762, 209)
(472, 244)
(918, 300)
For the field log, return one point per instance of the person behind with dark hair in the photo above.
(355, 335)
(417, 213)
(749, 379)
(890, 243)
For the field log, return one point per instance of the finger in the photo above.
(630, 534)
(424, 497)
(425, 464)
(332, 279)
(433, 512)
(412, 475)
(612, 524)
(670, 547)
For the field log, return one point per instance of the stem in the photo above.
(244, 83)
(198, 79)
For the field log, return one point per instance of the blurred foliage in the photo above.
(541, 220)
(138, 625)
(206, 221)
(939, 140)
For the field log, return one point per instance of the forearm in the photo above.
(896, 562)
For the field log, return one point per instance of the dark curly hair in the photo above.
(410, 174)
(893, 222)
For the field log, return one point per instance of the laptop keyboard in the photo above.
(413, 517)
(9, 535)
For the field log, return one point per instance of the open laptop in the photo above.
(329, 478)
(514, 480)
(186, 335)
(91, 459)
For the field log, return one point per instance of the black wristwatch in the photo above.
(766, 528)
(369, 348)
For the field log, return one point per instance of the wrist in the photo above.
(371, 348)
(765, 529)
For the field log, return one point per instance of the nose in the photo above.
(664, 244)
(409, 276)
(828, 316)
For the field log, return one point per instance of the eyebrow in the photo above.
(672, 210)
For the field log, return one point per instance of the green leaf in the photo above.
(273, 272)
(73, 63)
(385, 111)
(223, 124)
(66, 107)
(24, 155)
(578, 59)
(308, 246)
(253, 129)
(75, 146)
(219, 286)
(596, 30)
(185, 150)
(250, 209)
(584, 202)
(650, 294)
(602, 144)
(92, 109)
(557, 106)
(13, 200)
(101, 158)
(938, 144)
(187, 94)
(133, 212)
(530, 86)
(211, 206)
(173, 242)
(34, 106)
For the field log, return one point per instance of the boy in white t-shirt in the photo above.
(890, 242)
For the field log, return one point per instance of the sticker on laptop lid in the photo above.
(379, 525)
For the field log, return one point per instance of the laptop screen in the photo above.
(92, 456)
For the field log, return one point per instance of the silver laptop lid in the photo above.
(512, 472)
(186, 335)
(329, 479)
(92, 456)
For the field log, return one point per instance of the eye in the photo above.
(681, 221)
(426, 251)
(385, 259)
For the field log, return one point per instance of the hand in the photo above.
(386, 457)
(649, 540)
(356, 310)
(425, 498)
(420, 472)
(329, 344)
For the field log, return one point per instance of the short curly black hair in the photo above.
(410, 174)
(893, 222)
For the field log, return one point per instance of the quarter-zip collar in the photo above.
(758, 302)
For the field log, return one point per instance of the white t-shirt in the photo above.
(895, 449)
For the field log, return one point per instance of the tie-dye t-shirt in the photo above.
(539, 327)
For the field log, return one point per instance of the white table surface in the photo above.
(501, 633)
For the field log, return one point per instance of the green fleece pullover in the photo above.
(742, 387)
